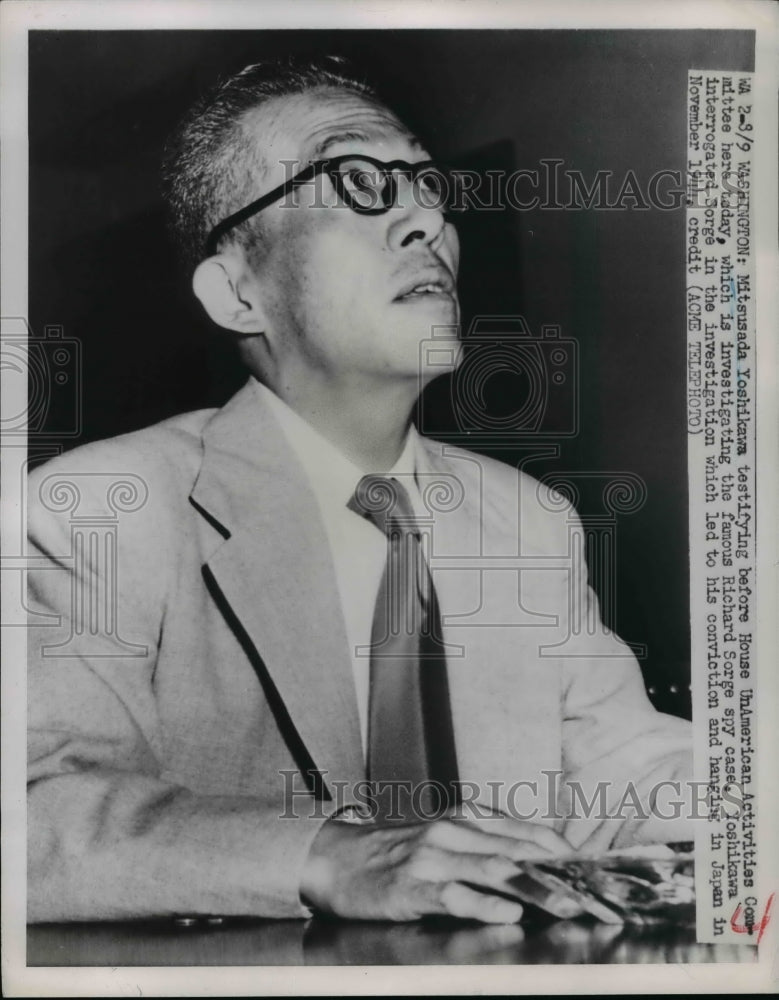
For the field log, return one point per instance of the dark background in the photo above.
(101, 267)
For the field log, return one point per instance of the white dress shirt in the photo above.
(358, 548)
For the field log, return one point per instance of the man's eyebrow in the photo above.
(353, 135)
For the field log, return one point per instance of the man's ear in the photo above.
(229, 299)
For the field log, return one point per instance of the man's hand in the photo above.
(403, 872)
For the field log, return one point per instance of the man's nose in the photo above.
(410, 220)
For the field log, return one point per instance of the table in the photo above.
(325, 942)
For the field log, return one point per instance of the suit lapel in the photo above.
(275, 571)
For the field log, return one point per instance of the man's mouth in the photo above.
(429, 288)
(438, 285)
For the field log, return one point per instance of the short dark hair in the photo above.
(211, 160)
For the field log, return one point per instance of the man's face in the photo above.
(338, 287)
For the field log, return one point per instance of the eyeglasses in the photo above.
(365, 185)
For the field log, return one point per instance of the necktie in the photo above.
(412, 763)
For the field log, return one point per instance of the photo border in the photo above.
(16, 19)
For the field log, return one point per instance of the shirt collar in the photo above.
(332, 475)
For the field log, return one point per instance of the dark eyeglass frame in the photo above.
(330, 166)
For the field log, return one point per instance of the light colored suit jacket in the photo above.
(188, 662)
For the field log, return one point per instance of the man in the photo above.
(203, 747)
